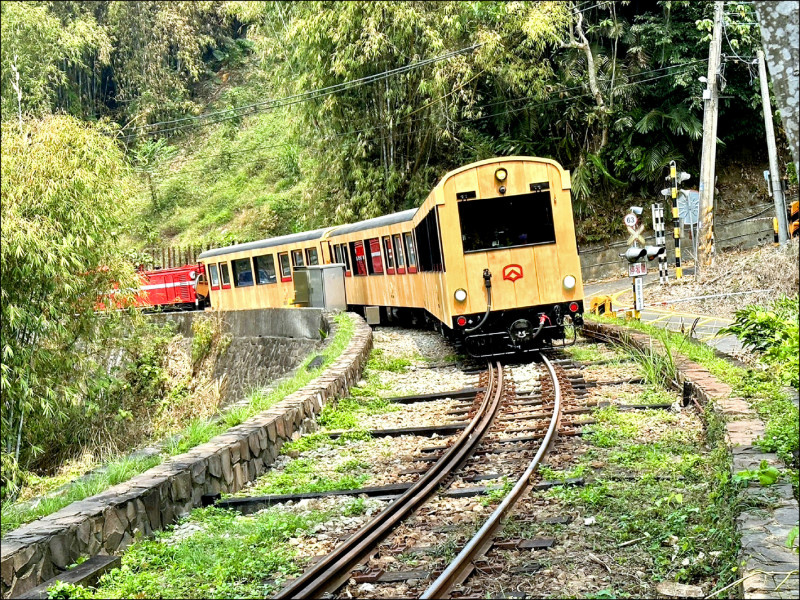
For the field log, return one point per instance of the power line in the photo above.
(240, 111)
(401, 135)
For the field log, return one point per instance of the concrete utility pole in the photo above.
(774, 174)
(780, 30)
(708, 157)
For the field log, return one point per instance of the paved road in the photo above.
(670, 316)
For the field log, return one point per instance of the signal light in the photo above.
(633, 254)
(573, 307)
(461, 321)
(654, 251)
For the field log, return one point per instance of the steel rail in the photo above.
(333, 570)
(459, 568)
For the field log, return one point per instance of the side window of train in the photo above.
(265, 269)
(387, 250)
(428, 245)
(342, 256)
(213, 273)
(286, 269)
(297, 258)
(359, 258)
(226, 277)
(485, 223)
(242, 272)
(311, 256)
(375, 262)
(411, 253)
(398, 250)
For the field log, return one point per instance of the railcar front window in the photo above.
(506, 222)
(242, 272)
(265, 268)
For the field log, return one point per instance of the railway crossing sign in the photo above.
(631, 221)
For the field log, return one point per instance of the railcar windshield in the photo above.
(506, 222)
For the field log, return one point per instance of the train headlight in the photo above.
(460, 295)
(569, 282)
(501, 174)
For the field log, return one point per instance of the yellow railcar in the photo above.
(490, 256)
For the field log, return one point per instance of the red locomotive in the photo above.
(177, 287)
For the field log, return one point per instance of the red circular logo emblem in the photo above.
(512, 272)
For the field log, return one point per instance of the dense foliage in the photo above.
(609, 89)
(772, 331)
(63, 196)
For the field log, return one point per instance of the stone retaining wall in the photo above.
(266, 343)
(772, 510)
(110, 521)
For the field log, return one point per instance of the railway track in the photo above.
(482, 437)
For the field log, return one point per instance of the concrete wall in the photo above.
(266, 344)
(110, 521)
(305, 323)
(601, 262)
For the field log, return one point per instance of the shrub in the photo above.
(771, 331)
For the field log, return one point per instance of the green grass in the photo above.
(304, 475)
(678, 509)
(761, 389)
(199, 431)
(585, 353)
(230, 557)
(378, 361)
(116, 472)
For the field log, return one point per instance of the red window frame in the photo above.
(387, 250)
(213, 273)
(360, 268)
(408, 237)
(281, 256)
(225, 273)
(398, 250)
(375, 256)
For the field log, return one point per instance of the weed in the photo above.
(217, 561)
(356, 507)
(494, 496)
(378, 361)
(585, 353)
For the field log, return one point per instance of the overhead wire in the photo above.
(249, 109)
(401, 135)
(245, 110)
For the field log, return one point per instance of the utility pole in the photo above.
(709, 155)
(774, 174)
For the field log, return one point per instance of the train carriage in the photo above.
(490, 255)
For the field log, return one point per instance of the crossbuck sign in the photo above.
(630, 221)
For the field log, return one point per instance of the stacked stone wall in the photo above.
(110, 521)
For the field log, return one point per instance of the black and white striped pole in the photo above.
(661, 240)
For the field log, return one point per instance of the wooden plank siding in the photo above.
(544, 265)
